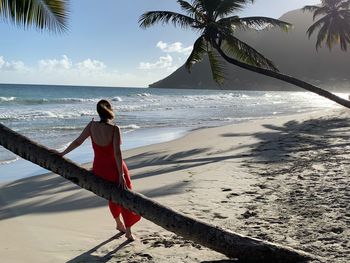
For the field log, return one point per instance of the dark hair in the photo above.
(105, 111)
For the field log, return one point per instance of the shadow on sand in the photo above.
(280, 142)
(89, 257)
(74, 198)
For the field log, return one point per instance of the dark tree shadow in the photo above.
(74, 198)
(174, 162)
(281, 142)
(89, 257)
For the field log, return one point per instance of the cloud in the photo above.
(11, 66)
(65, 64)
(167, 62)
(91, 65)
(65, 71)
(162, 63)
(176, 47)
(55, 64)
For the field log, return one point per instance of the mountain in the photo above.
(293, 53)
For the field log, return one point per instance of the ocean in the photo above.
(55, 115)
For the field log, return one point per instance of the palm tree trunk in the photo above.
(285, 78)
(231, 244)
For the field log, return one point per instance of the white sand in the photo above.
(281, 179)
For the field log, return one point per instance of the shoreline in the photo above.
(227, 175)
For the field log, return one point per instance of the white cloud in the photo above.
(162, 63)
(65, 71)
(176, 47)
(12, 65)
(91, 65)
(54, 64)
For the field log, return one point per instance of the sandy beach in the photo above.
(281, 179)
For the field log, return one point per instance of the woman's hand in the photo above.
(121, 182)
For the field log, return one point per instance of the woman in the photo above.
(108, 162)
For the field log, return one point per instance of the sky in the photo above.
(105, 46)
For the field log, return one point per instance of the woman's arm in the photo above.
(118, 155)
(78, 141)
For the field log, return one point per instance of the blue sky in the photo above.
(105, 46)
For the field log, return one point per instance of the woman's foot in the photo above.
(120, 226)
(129, 235)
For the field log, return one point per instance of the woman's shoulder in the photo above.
(103, 124)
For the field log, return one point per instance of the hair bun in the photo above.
(104, 110)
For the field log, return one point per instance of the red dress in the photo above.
(105, 166)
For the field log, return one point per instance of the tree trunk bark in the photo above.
(289, 79)
(226, 242)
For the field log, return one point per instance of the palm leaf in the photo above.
(245, 53)
(217, 67)
(338, 32)
(316, 25)
(150, 18)
(310, 8)
(226, 7)
(332, 34)
(190, 9)
(345, 5)
(263, 22)
(220, 8)
(320, 11)
(199, 49)
(43, 14)
(321, 36)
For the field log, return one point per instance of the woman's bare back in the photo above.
(101, 133)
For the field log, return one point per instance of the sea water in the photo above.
(55, 115)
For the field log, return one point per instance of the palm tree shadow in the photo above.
(279, 143)
(89, 257)
(37, 193)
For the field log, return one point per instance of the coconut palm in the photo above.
(217, 25)
(42, 14)
(334, 25)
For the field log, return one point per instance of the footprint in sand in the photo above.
(230, 195)
(219, 216)
(247, 214)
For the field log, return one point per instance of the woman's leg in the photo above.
(116, 211)
(129, 217)
(128, 234)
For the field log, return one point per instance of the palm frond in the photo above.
(332, 34)
(190, 9)
(245, 53)
(310, 8)
(217, 66)
(198, 51)
(345, 5)
(321, 11)
(220, 8)
(338, 32)
(316, 25)
(321, 36)
(230, 20)
(226, 7)
(149, 19)
(259, 22)
(43, 14)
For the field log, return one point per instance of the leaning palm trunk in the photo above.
(285, 78)
(231, 244)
